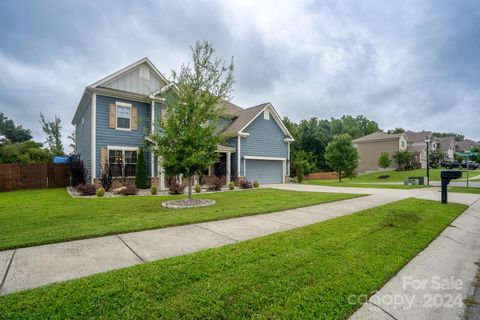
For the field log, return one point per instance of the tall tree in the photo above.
(53, 131)
(73, 140)
(13, 133)
(456, 136)
(342, 156)
(396, 130)
(188, 142)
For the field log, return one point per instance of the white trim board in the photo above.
(264, 158)
(122, 148)
(93, 140)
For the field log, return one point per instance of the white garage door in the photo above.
(265, 171)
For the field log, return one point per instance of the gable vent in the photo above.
(144, 72)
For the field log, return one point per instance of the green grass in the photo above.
(44, 216)
(400, 176)
(465, 190)
(306, 273)
(350, 183)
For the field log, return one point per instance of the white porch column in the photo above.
(229, 166)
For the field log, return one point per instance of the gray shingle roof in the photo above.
(378, 136)
(243, 117)
(417, 136)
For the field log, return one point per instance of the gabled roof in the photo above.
(128, 68)
(417, 136)
(378, 136)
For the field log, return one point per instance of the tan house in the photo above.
(371, 146)
(418, 146)
(447, 146)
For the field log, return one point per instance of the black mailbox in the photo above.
(446, 176)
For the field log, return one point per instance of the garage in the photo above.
(264, 170)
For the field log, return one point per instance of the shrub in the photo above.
(87, 189)
(198, 188)
(129, 190)
(245, 184)
(141, 176)
(100, 192)
(106, 178)
(385, 176)
(176, 187)
(384, 160)
(215, 184)
(231, 185)
(78, 173)
(154, 190)
(256, 184)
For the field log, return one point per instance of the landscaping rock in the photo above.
(187, 203)
(119, 190)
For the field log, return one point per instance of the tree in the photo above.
(303, 163)
(396, 130)
(384, 160)
(456, 136)
(24, 152)
(342, 156)
(141, 176)
(403, 158)
(188, 143)
(11, 132)
(53, 130)
(73, 138)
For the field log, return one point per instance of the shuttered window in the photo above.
(123, 117)
(122, 162)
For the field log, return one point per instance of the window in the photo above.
(122, 162)
(124, 113)
(266, 115)
(402, 144)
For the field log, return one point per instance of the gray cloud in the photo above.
(411, 64)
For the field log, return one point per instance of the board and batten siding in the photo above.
(83, 145)
(107, 136)
(266, 139)
(131, 82)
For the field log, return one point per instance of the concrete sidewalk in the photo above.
(434, 284)
(36, 266)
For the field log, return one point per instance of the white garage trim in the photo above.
(263, 158)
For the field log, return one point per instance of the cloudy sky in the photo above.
(411, 64)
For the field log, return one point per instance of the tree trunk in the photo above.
(339, 176)
(190, 187)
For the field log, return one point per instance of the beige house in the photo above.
(417, 146)
(370, 148)
(447, 146)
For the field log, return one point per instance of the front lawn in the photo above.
(33, 217)
(307, 273)
(350, 183)
(464, 190)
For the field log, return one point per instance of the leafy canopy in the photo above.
(188, 142)
(12, 132)
(24, 152)
(342, 156)
(53, 131)
(384, 160)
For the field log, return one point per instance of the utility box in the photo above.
(446, 176)
(411, 182)
(421, 180)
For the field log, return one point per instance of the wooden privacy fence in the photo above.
(16, 176)
(321, 176)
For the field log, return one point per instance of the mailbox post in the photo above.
(446, 176)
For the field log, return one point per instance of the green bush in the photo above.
(256, 184)
(154, 190)
(100, 192)
(198, 188)
(141, 177)
(231, 186)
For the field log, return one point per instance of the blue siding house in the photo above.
(115, 114)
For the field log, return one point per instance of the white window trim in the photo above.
(123, 149)
(127, 105)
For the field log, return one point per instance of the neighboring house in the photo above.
(464, 145)
(115, 115)
(371, 146)
(418, 146)
(447, 146)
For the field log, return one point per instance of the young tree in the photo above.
(403, 158)
(342, 156)
(189, 141)
(13, 133)
(141, 176)
(303, 163)
(384, 160)
(53, 130)
(73, 138)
